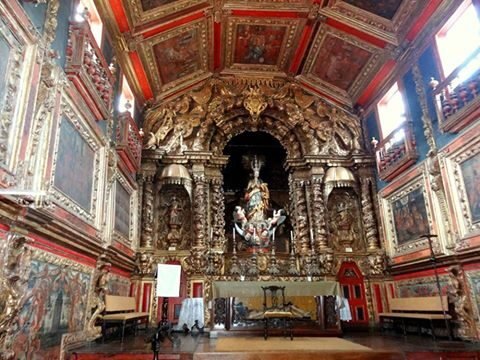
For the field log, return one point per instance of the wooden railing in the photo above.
(396, 152)
(129, 141)
(88, 70)
(458, 104)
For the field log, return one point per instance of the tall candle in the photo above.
(233, 233)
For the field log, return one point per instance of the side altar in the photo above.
(238, 304)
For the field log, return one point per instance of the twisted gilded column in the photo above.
(199, 210)
(146, 238)
(300, 211)
(318, 213)
(368, 214)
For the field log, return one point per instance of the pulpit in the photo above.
(238, 305)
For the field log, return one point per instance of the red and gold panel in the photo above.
(269, 4)
(386, 8)
(388, 20)
(334, 57)
(141, 12)
(177, 57)
(260, 44)
(340, 65)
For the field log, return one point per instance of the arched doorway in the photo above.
(352, 288)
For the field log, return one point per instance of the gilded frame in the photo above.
(461, 151)
(70, 111)
(293, 28)
(364, 75)
(145, 48)
(23, 41)
(133, 218)
(398, 193)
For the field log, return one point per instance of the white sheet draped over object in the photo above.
(192, 309)
(344, 308)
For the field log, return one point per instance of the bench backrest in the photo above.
(114, 303)
(427, 303)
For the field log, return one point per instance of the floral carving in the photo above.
(14, 268)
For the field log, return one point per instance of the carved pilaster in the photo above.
(146, 240)
(218, 215)
(199, 209)
(422, 98)
(301, 219)
(368, 214)
(433, 165)
(14, 270)
(318, 213)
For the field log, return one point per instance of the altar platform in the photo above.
(356, 346)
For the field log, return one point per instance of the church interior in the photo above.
(300, 169)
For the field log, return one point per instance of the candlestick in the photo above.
(233, 233)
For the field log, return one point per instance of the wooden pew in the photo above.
(429, 308)
(121, 310)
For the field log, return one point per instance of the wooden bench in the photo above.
(121, 310)
(430, 308)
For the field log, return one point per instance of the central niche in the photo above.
(256, 158)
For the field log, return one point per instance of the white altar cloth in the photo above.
(191, 310)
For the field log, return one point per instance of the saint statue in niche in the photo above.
(175, 213)
(252, 224)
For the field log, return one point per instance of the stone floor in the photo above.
(384, 346)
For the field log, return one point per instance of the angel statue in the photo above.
(252, 223)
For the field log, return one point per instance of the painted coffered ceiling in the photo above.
(339, 49)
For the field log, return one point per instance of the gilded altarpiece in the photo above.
(193, 132)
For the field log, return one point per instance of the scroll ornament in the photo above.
(14, 268)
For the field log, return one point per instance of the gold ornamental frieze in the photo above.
(206, 119)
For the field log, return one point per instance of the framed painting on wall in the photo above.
(408, 215)
(461, 167)
(124, 203)
(470, 170)
(78, 163)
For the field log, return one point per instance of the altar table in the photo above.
(228, 295)
(224, 289)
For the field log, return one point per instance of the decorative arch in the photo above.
(205, 119)
(288, 137)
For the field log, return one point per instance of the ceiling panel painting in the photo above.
(142, 12)
(152, 4)
(339, 62)
(269, 4)
(384, 8)
(260, 44)
(341, 65)
(180, 56)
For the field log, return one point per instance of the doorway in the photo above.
(352, 288)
